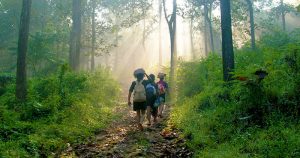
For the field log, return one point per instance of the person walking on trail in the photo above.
(138, 88)
(151, 95)
(162, 90)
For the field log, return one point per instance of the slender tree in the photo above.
(282, 15)
(192, 37)
(209, 16)
(227, 45)
(74, 54)
(144, 31)
(205, 30)
(159, 40)
(252, 25)
(172, 32)
(117, 29)
(208, 25)
(93, 34)
(21, 80)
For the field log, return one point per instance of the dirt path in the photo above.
(122, 139)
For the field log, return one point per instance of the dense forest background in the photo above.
(235, 83)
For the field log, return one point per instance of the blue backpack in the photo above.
(150, 90)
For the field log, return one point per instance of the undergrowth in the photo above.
(61, 109)
(255, 115)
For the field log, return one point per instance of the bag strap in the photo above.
(136, 82)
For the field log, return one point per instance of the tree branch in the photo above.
(165, 12)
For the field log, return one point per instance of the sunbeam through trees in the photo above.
(212, 78)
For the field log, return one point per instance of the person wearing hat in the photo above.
(162, 90)
(138, 88)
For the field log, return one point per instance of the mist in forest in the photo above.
(138, 45)
(137, 41)
(232, 78)
(139, 48)
(135, 52)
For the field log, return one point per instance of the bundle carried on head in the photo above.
(161, 75)
(138, 71)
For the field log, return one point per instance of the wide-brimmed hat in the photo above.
(139, 71)
(161, 75)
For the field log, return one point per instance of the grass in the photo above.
(63, 108)
(247, 117)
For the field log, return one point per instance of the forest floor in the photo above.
(122, 139)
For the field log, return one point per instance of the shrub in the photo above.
(62, 108)
(255, 115)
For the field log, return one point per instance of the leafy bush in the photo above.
(62, 108)
(191, 82)
(255, 115)
(5, 79)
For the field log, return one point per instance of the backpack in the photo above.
(150, 90)
(161, 88)
(139, 92)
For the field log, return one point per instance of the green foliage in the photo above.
(191, 82)
(134, 11)
(63, 108)
(42, 58)
(255, 115)
(49, 35)
(279, 40)
(5, 79)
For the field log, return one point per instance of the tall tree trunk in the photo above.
(117, 29)
(212, 45)
(74, 54)
(144, 32)
(21, 80)
(159, 40)
(192, 38)
(173, 47)
(172, 33)
(117, 51)
(93, 35)
(283, 16)
(227, 46)
(205, 31)
(252, 25)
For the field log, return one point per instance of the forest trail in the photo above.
(122, 139)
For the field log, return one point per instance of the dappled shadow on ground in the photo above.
(123, 139)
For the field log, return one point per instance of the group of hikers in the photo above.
(147, 96)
